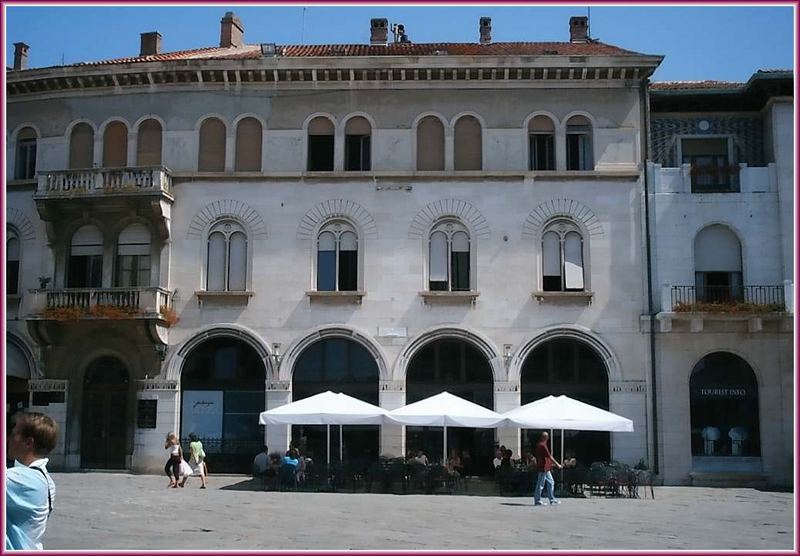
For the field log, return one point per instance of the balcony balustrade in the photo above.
(99, 303)
(739, 178)
(104, 181)
(723, 299)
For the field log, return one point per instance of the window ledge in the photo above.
(455, 297)
(563, 297)
(239, 297)
(337, 297)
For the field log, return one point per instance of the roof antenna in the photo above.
(303, 30)
(589, 22)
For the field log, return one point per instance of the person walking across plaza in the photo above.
(29, 489)
(544, 463)
(173, 467)
(197, 458)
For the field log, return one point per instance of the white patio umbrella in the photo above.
(565, 413)
(446, 410)
(328, 408)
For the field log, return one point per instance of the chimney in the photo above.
(20, 56)
(579, 29)
(378, 31)
(232, 31)
(151, 44)
(486, 30)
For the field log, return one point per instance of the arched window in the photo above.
(115, 145)
(227, 257)
(562, 257)
(12, 262)
(81, 146)
(468, 148)
(248, 145)
(212, 146)
(25, 168)
(723, 394)
(85, 268)
(337, 258)
(357, 144)
(148, 147)
(449, 257)
(430, 144)
(718, 265)
(579, 144)
(320, 145)
(133, 257)
(541, 143)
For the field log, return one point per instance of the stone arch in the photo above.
(584, 113)
(580, 213)
(344, 331)
(27, 351)
(21, 223)
(20, 127)
(174, 366)
(357, 114)
(552, 117)
(731, 228)
(227, 208)
(741, 355)
(574, 332)
(450, 331)
(457, 208)
(333, 208)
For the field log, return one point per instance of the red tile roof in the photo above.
(253, 51)
(695, 85)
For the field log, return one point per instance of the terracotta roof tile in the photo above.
(253, 51)
(695, 85)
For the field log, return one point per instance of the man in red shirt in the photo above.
(544, 463)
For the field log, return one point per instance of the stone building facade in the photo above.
(206, 234)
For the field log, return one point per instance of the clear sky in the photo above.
(722, 42)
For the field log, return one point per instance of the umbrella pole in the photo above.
(444, 449)
(328, 454)
(562, 458)
(341, 450)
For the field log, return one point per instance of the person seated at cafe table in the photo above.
(506, 463)
(419, 459)
(454, 466)
(291, 458)
(498, 456)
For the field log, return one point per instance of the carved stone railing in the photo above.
(104, 181)
(109, 303)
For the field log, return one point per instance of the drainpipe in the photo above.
(645, 100)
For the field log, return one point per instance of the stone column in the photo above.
(149, 455)
(561, 148)
(391, 395)
(506, 398)
(49, 396)
(277, 436)
(628, 398)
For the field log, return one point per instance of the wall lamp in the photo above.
(276, 354)
(161, 351)
(507, 355)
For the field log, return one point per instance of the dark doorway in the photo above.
(572, 368)
(105, 415)
(222, 395)
(338, 365)
(459, 368)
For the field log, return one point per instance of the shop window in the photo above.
(212, 146)
(25, 168)
(115, 145)
(133, 257)
(449, 257)
(248, 145)
(227, 257)
(541, 143)
(320, 145)
(468, 148)
(430, 144)
(718, 265)
(562, 257)
(357, 144)
(579, 144)
(148, 143)
(81, 146)
(85, 268)
(337, 258)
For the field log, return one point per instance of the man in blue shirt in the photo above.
(29, 489)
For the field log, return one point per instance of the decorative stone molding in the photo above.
(432, 212)
(332, 208)
(501, 387)
(561, 207)
(627, 387)
(21, 222)
(230, 208)
(392, 386)
(47, 385)
(156, 384)
(278, 385)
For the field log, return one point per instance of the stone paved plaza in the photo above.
(123, 511)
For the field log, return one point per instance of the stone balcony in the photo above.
(94, 182)
(99, 303)
(747, 179)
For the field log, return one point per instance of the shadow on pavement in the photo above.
(246, 484)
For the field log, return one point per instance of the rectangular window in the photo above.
(133, 271)
(357, 154)
(578, 151)
(542, 155)
(718, 287)
(146, 411)
(348, 271)
(12, 277)
(320, 153)
(26, 159)
(326, 271)
(459, 263)
(85, 271)
(711, 170)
